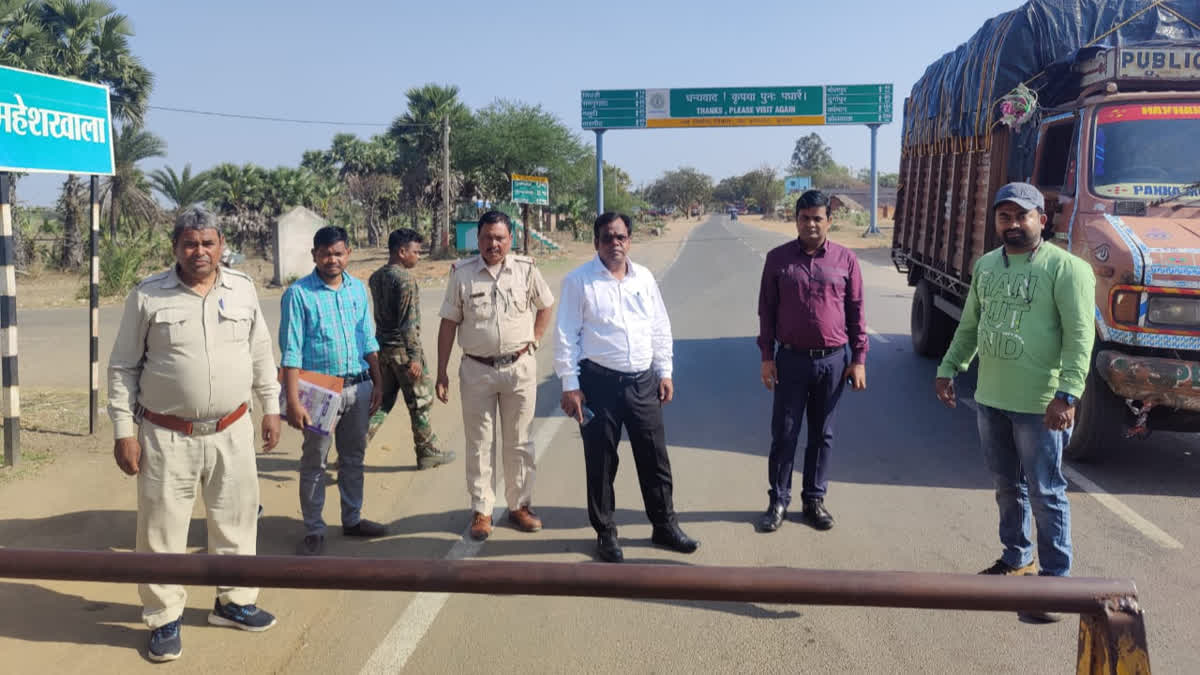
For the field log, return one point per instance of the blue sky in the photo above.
(353, 61)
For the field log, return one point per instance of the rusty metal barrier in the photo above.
(1112, 634)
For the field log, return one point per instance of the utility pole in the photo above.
(873, 229)
(444, 241)
(599, 171)
(525, 229)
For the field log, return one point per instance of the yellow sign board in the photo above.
(535, 179)
(676, 123)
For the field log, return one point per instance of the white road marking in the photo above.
(875, 334)
(1110, 502)
(402, 640)
(1133, 518)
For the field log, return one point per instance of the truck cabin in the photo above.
(1137, 120)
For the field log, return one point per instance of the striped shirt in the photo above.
(326, 330)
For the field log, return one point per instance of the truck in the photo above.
(1098, 105)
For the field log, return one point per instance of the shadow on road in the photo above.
(722, 405)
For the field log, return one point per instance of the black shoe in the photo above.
(365, 528)
(435, 459)
(1001, 568)
(773, 518)
(608, 548)
(673, 538)
(1039, 617)
(816, 515)
(312, 544)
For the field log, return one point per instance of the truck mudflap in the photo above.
(1156, 382)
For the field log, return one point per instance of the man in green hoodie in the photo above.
(1029, 316)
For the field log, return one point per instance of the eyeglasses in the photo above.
(609, 238)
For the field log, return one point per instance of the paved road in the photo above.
(909, 493)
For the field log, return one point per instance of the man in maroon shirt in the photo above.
(813, 338)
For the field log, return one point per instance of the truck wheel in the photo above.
(930, 327)
(1100, 420)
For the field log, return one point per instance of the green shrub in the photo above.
(123, 264)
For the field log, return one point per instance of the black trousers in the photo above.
(811, 385)
(630, 401)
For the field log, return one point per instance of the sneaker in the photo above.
(165, 644)
(481, 526)
(1002, 568)
(312, 544)
(525, 520)
(435, 459)
(365, 528)
(243, 617)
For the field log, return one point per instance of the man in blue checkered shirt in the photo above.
(326, 327)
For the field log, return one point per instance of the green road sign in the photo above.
(858, 104)
(530, 190)
(614, 109)
(737, 106)
(746, 102)
(52, 124)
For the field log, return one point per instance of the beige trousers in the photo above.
(175, 468)
(513, 389)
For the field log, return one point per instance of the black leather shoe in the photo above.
(816, 515)
(608, 548)
(673, 538)
(365, 528)
(312, 544)
(773, 518)
(1039, 617)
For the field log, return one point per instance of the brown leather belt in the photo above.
(500, 361)
(194, 427)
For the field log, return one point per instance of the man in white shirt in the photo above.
(613, 353)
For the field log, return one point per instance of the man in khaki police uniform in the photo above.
(499, 306)
(192, 346)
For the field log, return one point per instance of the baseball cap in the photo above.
(1023, 195)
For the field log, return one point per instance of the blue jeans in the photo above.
(350, 431)
(1025, 459)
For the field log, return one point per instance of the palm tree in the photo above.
(85, 40)
(182, 190)
(286, 187)
(418, 137)
(131, 144)
(240, 194)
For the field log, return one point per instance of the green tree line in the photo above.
(369, 184)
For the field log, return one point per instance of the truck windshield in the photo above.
(1147, 150)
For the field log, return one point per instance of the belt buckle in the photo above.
(204, 428)
(505, 360)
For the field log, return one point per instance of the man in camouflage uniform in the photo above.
(397, 301)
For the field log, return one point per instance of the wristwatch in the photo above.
(1068, 398)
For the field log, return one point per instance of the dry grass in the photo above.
(54, 421)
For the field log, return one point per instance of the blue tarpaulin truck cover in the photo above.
(1035, 44)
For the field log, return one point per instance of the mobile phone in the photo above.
(587, 416)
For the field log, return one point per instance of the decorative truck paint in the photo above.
(1117, 155)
